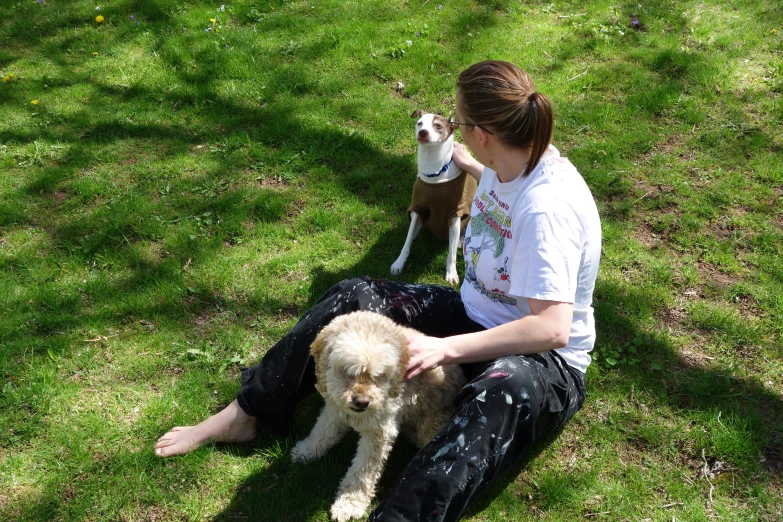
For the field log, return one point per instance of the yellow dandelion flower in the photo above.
(95, 53)
(213, 20)
(99, 19)
(35, 102)
(774, 31)
(8, 78)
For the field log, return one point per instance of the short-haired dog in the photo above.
(442, 193)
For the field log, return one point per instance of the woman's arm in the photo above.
(546, 327)
(466, 162)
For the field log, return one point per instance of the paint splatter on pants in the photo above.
(507, 405)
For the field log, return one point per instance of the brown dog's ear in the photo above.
(402, 367)
(318, 351)
(416, 114)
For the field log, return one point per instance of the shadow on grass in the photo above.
(681, 386)
(114, 233)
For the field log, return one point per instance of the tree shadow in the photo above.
(118, 233)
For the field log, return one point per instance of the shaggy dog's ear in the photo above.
(402, 367)
(416, 114)
(318, 351)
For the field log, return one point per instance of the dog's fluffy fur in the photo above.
(361, 359)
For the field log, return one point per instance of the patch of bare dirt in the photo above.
(715, 277)
(646, 236)
(275, 183)
(695, 359)
(59, 196)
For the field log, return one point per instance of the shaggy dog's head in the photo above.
(360, 361)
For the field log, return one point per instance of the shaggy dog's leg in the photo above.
(451, 260)
(328, 430)
(358, 486)
(428, 428)
(413, 231)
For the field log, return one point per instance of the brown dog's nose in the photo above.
(360, 402)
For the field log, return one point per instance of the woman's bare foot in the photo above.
(231, 424)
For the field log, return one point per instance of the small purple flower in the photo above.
(133, 18)
(417, 34)
(440, 6)
(226, 46)
(635, 22)
(40, 1)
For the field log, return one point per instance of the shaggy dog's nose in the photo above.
(360, 402)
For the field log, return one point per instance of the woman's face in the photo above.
(468, 133)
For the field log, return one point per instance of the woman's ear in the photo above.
(483, 135)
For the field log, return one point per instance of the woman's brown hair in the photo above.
(502, 98)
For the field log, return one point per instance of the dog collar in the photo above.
(441, 171)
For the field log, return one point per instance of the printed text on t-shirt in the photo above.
(493, 210)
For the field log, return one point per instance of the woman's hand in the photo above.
(466, 162)
(425, 352)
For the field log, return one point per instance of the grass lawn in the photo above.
(180, 180)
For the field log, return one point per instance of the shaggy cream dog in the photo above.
(361, 359)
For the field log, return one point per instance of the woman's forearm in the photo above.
(534, 333)
(474, 170)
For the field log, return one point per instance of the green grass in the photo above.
(177, 197)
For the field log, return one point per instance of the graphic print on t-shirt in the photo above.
(488, 233)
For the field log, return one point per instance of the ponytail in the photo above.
(540, 126)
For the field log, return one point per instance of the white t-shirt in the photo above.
(535, 237)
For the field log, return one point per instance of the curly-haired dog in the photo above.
(360, 360)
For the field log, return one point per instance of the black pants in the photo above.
(507, 405)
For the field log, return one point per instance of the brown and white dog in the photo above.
(360, 364)
(442, 194)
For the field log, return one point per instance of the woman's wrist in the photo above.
(475, 170)
(449, 351)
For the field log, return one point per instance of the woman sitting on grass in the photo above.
(521, 326)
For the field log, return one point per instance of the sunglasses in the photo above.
(454, 122)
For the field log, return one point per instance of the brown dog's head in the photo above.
(360, 361)
(432, 128)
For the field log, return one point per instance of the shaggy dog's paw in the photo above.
(349, 506)
(303, 452)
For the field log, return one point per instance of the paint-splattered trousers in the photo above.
(507, 405)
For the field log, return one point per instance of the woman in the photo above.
(521, 326)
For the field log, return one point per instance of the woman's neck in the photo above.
(509, 162)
